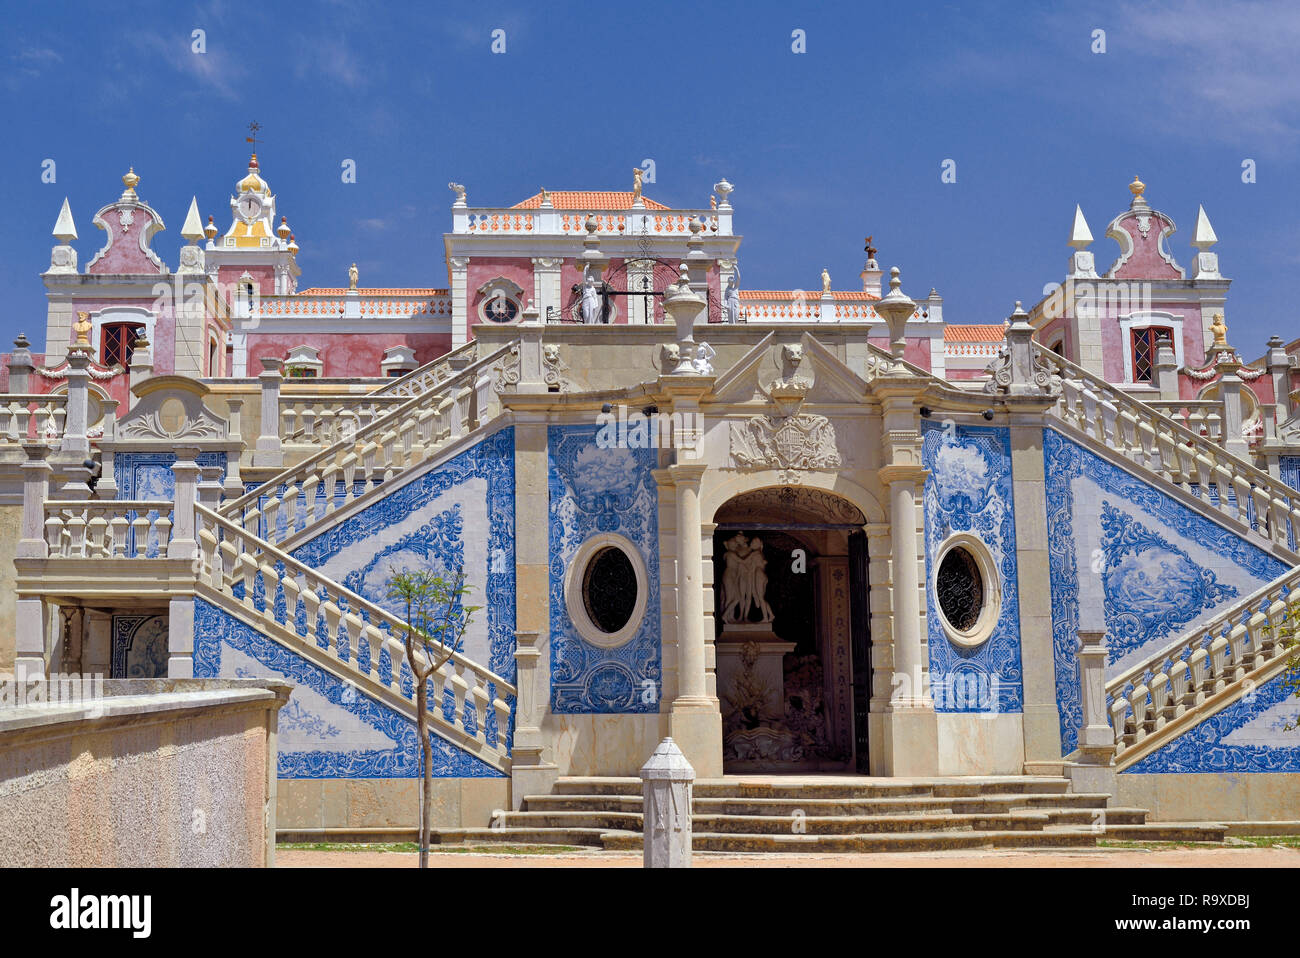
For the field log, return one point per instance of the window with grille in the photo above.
(1144, 345)
(117, 343)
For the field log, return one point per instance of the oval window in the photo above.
(959, 587)
(609, 589)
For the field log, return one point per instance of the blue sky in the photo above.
(823, 147)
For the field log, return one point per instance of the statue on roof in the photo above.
(1220, 330)
(459, 190)
(591, 311)
(826, 281)
(731, 300)
(636, 184)
(546, 196)
(352, 276)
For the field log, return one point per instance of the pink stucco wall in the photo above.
(347, 354)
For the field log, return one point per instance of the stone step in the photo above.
(864, 824)
(803, 787)
(1167, 832)
(889, 842)
(889, 805)
(787, 824)
(523, 836)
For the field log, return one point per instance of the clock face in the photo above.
(250, 207)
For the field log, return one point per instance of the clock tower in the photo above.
(257, 252)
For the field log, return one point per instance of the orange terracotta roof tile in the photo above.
(589, 200)
(372, 291)
(973, 334)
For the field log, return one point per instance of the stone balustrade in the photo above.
(1246, 496)
(432, 374)
(326, 419)
(32, 417)
(1213, 661)
(108, 529)
(1201, 416)
(550, 222)
(299, 605)
(400, 439)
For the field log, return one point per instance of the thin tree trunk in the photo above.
(426, 784)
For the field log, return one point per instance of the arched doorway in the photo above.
(791, 631)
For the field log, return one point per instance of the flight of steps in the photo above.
(843, 814)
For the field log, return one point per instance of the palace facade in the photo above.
(814, 533)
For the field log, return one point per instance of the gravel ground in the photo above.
(1214, 857)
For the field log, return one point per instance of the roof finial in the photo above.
(1137, 188)
(129, 181)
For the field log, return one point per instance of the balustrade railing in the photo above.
(431, 374)
(1251, 637)
(374, 454)
(1201, 416)
(108, 529)
(283, 596)
(1157, 443)
(34, 417)
(325, 420)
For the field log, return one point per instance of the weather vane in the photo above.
(253, 128)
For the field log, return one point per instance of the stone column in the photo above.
(183, 544)
(180, 638)
(234, 485)
(20, 366)
(1234, 441)
(911, 731)
(1095, 769)
(141, 364)
(695, 720)
(1279, 370)
(666, 792)
(533, 767)
(1042, 723)
(1166, 370)
(268, 451)
(31, 614)
(460, 318)
(75, 442)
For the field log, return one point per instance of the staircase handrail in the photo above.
(375, 428)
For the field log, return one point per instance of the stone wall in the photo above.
(149, 773)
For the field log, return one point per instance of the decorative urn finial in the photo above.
(1137, 188)
(130, 180)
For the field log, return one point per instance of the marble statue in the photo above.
(713, 202)
(460, 191)
(731, 302)
(546, 196)
(744, 580)
(704, 353)
(590, 301)
(636, 184)
(826, 280)
(352, 276)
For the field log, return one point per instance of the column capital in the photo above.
(903, 473)
(687, 473)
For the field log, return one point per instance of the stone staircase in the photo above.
(836, 814)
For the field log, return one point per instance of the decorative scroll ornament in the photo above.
(1001, 372)
(150, 426)
(509, 372)
(554, 368)
(795, 442)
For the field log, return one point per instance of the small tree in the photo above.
(436, 621)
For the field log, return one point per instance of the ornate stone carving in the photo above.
(150, 426)
(795, 442)
(790, 504)
(554, 367)
(744, 580)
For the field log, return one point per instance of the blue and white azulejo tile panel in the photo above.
(1126, 558)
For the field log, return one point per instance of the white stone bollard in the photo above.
(666, 779)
